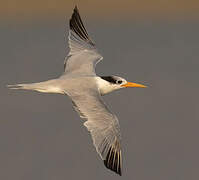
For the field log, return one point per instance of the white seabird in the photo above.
(80, 82)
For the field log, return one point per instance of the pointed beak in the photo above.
(130, 84)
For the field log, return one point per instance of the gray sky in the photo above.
(42, 137)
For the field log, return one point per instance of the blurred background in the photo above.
(155, 43)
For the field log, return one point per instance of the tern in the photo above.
(80, 82)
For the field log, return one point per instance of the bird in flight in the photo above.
(80, 82)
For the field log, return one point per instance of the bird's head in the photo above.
(110, 83)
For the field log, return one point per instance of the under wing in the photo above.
(103, 126)
(83, 54)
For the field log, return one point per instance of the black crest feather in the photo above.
(110, 79)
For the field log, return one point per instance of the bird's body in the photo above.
(80, 82)
(60, 85)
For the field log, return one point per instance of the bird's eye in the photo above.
(119, 82)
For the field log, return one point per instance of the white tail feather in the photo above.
(46, 87)
(18, 86)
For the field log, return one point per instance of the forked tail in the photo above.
(21, 86)
(50, 86)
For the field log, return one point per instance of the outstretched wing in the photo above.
(83, 54)
(103, 126)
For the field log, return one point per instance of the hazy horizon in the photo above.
(25, 11)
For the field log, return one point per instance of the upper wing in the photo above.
(103, 126)
(83, 55)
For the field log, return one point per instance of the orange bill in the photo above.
(130, 84)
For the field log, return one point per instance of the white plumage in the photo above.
(80, 82)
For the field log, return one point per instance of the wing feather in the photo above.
(103, 126)
(82, 48)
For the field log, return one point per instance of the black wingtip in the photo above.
(77, 26)
(113, 160)
(75, 9)
(108, 167)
